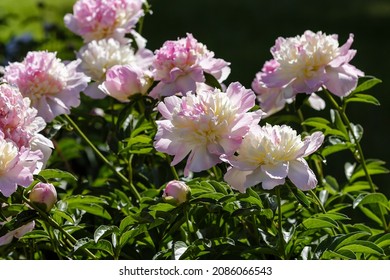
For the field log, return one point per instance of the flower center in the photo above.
(8, 153)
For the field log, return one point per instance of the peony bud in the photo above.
(176, 192)
(43, 195)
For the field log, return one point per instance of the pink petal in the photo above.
(301, 175)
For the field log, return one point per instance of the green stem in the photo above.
(55, 225)
(280, 228)
(345, 119)
(173, 169)
(103, 158)
(319, 203)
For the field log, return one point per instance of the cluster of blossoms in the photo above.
(205, 124)
(306, 64)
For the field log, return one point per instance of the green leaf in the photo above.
(316, 223)
(163, 207)
(341, 255)
(366, 85)
(50, 174)
(212, 81)
(363, 98)
(357, 186)
(103, 231)
(362, 246)
(301, 197)
(349, 238)
(370, 214)
(373, 167)
(331, 149)
(369, 198)
(87, 243)
(383, 241)
(88, 203)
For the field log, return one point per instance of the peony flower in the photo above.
(20, 123)
(52, 86)
(311, 61)
(269, 154)
(176, 192)
(180, 65)
(123, 81)
(100, 19)
(205, 125)
(273, 100)
(17, 166)
(17, 233)
(43, 194)
(99, 56)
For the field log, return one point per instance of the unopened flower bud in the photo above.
(44, 196)
(176, 192)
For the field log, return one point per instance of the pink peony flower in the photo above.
(268, 155)
(205, 125)
(53, 87)
(273, 100)
(176, 192)
(99, 56)
(99, 19)
(17, 166)
(17, 233)
(180, 65)
(123, 81)
(311, 61)
(20, 123)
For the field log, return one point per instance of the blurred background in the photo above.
(241, 32)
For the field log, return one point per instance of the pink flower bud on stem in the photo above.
(44, 196)
(176, 192)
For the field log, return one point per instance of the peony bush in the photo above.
(129, 153)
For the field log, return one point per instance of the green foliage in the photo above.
(99, 214)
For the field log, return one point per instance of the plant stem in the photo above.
(173, 169)
(55, 225)
(345, 119)
(103, 158)
(280, 228)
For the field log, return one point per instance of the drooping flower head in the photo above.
(269, 154)
(100, 19)
(308, 62)
(99, 56)
(205, 125)
(52, 86)
(180, 64)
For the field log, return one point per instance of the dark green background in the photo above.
(242, 32)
